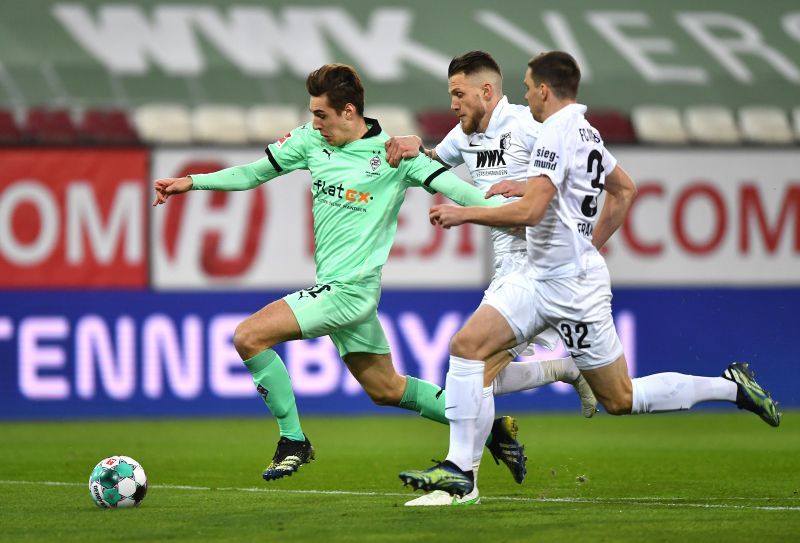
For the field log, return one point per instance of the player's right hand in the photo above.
(168, 186)
(446, 215)
(507, 188)
(400, 147)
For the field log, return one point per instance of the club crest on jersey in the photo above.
(283, 140)
(374, 164)
(505, 141)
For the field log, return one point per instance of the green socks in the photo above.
(273, 383)
(425, 398)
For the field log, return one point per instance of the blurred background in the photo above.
(111, 307)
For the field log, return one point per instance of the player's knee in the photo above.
(247, 341)
(463, 346)
(617, 406)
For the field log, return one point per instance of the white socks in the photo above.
(651, 394)
(530, 374)
(676, 391)
(483, 426)
(464, 385)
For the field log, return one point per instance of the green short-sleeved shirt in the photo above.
(356, 201)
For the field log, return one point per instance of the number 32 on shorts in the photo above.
(574, 334)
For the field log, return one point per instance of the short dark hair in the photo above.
(340, 83)
(559, 70)
(473, 62)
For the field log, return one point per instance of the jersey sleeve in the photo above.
(448, 151)
(290, 153)
(242, 177)
(609, 161)
(422, 171)
(285, 155)
(549, 156)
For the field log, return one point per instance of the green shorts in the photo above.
(345, 312)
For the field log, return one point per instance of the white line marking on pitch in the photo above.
(645, 500)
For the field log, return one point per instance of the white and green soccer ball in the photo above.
(118, 481)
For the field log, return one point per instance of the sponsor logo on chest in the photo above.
(494, 159)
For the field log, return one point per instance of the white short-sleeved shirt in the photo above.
(503, 151)
(571, 153)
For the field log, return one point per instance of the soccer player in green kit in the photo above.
(356, 201)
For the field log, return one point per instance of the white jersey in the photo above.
(571, 153)
(503, 151)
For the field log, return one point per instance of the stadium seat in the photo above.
(395, 120)
(614, 126)
(163, 123)
(107, 126)
(219, 124)
(435, 125)
(660, 125)
(711, 125)
(9, 131)
(44, 125)
(266, 124)
(768, 125)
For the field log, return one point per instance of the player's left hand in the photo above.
(400, 147)
(168, 186)
(507, 188)
(446, 215)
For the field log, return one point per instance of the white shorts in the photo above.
(507, 264)
(579, 308)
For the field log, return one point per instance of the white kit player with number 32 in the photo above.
(494, 139)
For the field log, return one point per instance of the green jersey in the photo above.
(356, 195)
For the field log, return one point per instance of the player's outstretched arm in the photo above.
(620, 194)
(242, 177)
(168, 186)
(527, 211)
(459, 190)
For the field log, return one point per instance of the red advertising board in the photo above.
(73, 217)
(709, 217)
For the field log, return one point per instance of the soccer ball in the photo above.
(117, 481)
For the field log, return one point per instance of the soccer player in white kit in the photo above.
(566, 284)
(494, 139)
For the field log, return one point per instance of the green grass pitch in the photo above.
(704, 476)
